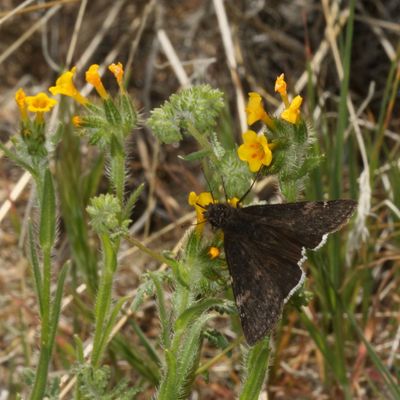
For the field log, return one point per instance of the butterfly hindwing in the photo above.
(263, 275)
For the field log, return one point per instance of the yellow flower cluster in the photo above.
(200, 202)
(256, 150)
(39, 104)
(65, 84)
(292, 110)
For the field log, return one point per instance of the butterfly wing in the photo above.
(308, 221)
(264, 274)
(264, 248)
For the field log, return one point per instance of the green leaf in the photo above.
(129, 113)
(48, 213)
(256, 370)
(112, 114)
(189, 357)
(151, 351)
(36, 268)
(216, 338)
(80, 355)
(135, 357)
(146, 288)
(168, 388)
(197, 155)
(55, 311)
(193, 312)
(110, 324)
(165, 326)
(317, 336)
(132, 199)
(15, 158)
(178, 269)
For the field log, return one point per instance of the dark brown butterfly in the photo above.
(265, 247)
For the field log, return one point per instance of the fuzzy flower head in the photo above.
(200, 202)
(65, 86)
(255, 110)
(255, 150)
(292, 113)
(118, 72)
(93, 77)
(20, 99)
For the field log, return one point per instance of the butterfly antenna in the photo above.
(251, 186)
(208, 184)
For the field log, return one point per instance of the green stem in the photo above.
(103, 300)
(153, 254)
(118, 171)
(39, 386)
(202, 140)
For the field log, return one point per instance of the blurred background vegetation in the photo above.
(342, 57)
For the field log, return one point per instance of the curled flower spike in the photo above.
(199, 202)
(20, 98)
(255, 111)
(280, 87)
(93, 77)
(118, 72)
(292, 113)
(255, 150)
(65, 86)
(213, 252)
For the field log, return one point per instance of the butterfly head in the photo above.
(218, 214)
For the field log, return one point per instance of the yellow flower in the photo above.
(40, 103)
(20, 98)
(77, 121)
(233, 202)
(65, 86)
(292, 113)
(255, 111)
(255, 150)
(118, 72)
(280, 84)
(213, 252)
(199, 202)
(93, 77)
(280, 87)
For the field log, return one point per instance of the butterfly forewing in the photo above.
(309, 221)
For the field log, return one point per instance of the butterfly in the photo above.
(264, 249)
